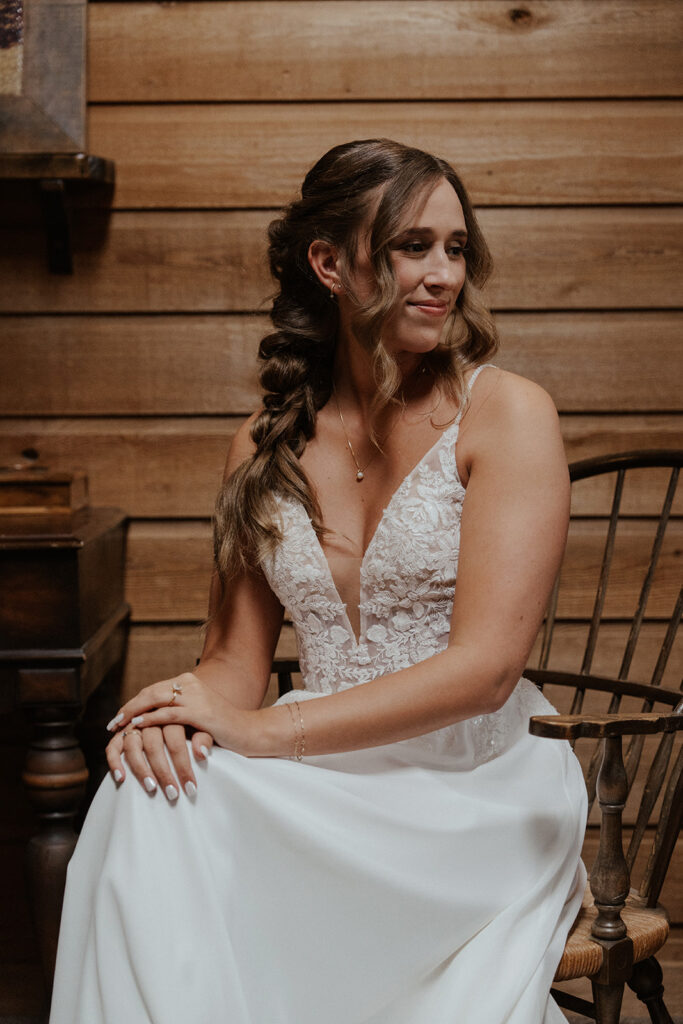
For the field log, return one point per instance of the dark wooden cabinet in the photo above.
(63, 631)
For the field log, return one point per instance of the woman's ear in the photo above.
(324, 260)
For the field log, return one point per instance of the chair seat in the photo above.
(582, 957)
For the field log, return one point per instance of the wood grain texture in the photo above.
(633, 545)
(508, 152)
(201, 261)
(171, 467)
(207, 365)
(315, 50)
(169, 564)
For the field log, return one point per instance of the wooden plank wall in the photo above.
(565, 121)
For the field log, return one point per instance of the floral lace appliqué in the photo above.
(407, 584)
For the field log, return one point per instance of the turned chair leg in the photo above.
(607, 999)
(646, 982)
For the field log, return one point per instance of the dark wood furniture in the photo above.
(621, 926)
(63, 629)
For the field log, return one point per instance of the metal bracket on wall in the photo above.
(52, 172)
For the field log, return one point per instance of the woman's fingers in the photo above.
(163, 694)
(136, 760)
(147, 752)
(160, 717)
(202, 743)
(155, 752)
(176, 743)
(113, 752)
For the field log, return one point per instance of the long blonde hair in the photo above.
(297, 358)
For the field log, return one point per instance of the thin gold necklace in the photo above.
(360, 472)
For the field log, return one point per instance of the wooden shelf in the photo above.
(52, 171)
(68, 166)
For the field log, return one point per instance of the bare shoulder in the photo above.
(500, 392)
(241, 447)
(502, 400)
(510, 418)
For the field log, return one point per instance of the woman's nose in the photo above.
(442, 271)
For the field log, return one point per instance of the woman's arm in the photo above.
(244, 621)
(244, 625)
(513, 533)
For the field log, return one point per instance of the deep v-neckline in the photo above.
(359, 639)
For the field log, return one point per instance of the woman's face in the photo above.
(429, 267)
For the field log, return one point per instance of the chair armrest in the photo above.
(571, 727)
(610, 876)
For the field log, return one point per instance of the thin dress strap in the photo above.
(469, 388)
(476, 374)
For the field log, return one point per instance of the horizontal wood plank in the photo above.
(199, 365)
(569, 643)
(565, 152)
(169, 564)
(181, 261)
(254, 50)
(171, 467)
(632, 549)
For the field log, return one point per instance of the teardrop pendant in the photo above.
(359, 475)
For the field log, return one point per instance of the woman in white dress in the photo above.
(388, 845)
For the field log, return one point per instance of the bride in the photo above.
(388, 845)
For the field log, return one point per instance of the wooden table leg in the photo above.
(55, 776)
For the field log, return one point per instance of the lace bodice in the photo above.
(407, 583)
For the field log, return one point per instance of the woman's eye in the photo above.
(457, 250)
(414, 247)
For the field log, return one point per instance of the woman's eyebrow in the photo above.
(423, 232)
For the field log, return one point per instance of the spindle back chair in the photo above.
(639, 600)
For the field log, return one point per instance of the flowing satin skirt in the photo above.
(383, 886)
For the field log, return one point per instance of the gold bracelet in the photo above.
(299, 736)
(300, 752)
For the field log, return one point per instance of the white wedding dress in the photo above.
(430, 881)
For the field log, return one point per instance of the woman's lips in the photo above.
(431, 308)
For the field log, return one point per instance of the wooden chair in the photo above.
(619, 929)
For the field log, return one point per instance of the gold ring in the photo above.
(128, 732)
(176, 689)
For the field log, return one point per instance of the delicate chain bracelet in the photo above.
(299, 734)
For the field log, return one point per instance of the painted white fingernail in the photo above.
(205, 751)
(171, 792)
(150, 784)
(136, 720)
(114, 722)
(191, 790)
(118, 775)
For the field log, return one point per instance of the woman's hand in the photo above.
(186, 700)
(147, 755)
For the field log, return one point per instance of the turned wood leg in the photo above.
(102, 705)
(646, 982)
(55, 777)
(609, 883)
(607, 999)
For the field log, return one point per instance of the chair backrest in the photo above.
(619, 649)
(639, 529)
